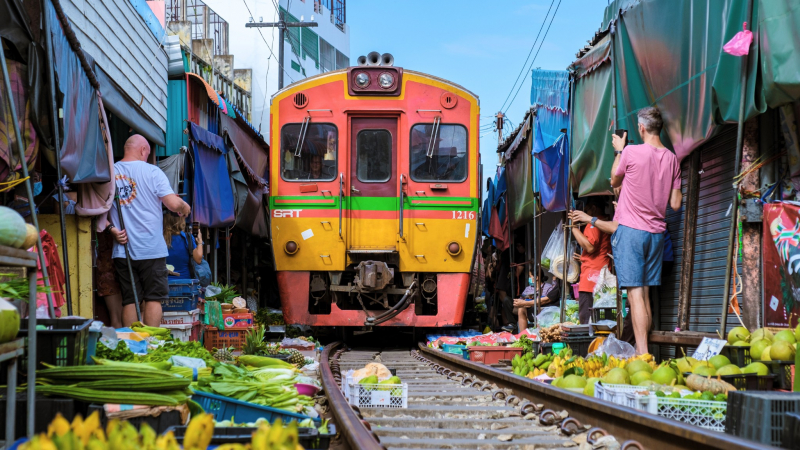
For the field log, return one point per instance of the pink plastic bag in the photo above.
(740, 44)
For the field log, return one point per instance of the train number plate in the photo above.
(470, 215)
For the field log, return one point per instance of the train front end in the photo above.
(374, 198)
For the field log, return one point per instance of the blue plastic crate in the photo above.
(91, 348)
(225, 408)
(183, 287)
(456, 349)
(179, 304)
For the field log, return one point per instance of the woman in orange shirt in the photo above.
(596, 247)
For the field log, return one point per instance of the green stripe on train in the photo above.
(370, 203)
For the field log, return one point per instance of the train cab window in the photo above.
(374, 156)
(315, 159)
(438, 153)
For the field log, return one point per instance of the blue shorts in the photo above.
(637, 256)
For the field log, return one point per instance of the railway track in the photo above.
(458, 404)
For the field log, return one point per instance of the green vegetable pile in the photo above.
(163, 353)
(121, 353)
(17, 288)
(228, 293)
(178, 348)
(571, 312)
(271, 385)
(267, 318)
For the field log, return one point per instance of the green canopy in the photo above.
(668, 53)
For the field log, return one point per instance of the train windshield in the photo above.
(438, 152)
(309, 155)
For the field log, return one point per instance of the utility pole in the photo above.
(281, 25)
(499, 125)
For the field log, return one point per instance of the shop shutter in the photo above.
(711, 243)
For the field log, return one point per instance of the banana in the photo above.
(259, 440)
(58, 427)
(167, 442)
(199, 432)
(275, 433)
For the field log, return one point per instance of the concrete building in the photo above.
(308, 51)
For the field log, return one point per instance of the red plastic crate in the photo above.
(492, 355)
(215, 338)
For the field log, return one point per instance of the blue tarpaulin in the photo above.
(553, 170)
(212, 195)
(550, 96)
(487, 208)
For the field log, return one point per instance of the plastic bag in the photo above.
(555, 242)
(287, 342)
(549, 316)
(605, 290)
(616, 348)
(740, 44)
(186, 361)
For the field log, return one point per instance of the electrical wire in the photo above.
(280, 63)
(529, 53)
(538, 50)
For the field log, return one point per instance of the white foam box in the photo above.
(180, 317)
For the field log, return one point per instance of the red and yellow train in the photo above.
(374, 197)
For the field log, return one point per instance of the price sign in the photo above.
(380, 397)
(708, 348)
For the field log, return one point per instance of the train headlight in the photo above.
(386, 80)
(291, 247)
(362, 80)
(454, 248)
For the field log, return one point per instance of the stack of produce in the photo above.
(263, 381)
(718, 365)
(14, 232)
(121, 435)
(766, 346)
(255, 346)
(158, 354)
(117, 383)
(551, 333)
(9, 321)
(528, 366)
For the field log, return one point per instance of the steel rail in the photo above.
(348, 421)
(653, 432)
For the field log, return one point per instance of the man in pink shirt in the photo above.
(651, 180)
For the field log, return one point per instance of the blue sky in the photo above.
(480, 45)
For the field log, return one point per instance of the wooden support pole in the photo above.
(750, 299)
(689, 235)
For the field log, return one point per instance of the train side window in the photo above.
(374, 156)
(448, 155)
(316, 159)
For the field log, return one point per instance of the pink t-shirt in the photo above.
(650, 175)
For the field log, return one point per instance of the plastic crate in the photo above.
(179, 304)
(180, 317)
(454, 349)
(618, 394)
(185, 332)
(761, 416)
(226, 408)
(91, 347)
(159, 423)
(46, 410)
(599, 314)
(377, 395)
(492, 355)
(791, 432)
(783, 373)
(739, 356)
(64, 342)
(702, 413)
(183, 287)
(309, 438)
(579, 345)
(215, 338)
(750, 381)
